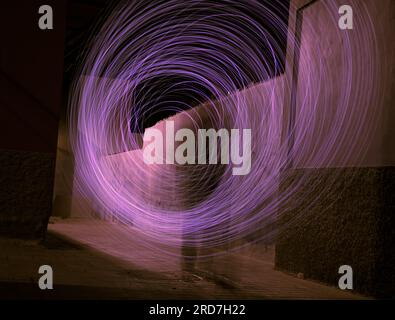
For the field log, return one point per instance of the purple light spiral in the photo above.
(210, 46)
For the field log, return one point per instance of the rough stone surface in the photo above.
(26, 184)
(352, 224)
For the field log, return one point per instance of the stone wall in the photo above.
(26, 182)
(352, 225)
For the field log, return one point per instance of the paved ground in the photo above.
(99, 260)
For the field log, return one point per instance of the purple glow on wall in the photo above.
(110, 169)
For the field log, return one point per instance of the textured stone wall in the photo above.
(351, 225)
(26, 182)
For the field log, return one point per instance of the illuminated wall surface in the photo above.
(343, 207)
(321, 185)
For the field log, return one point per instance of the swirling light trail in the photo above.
(207, 205)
